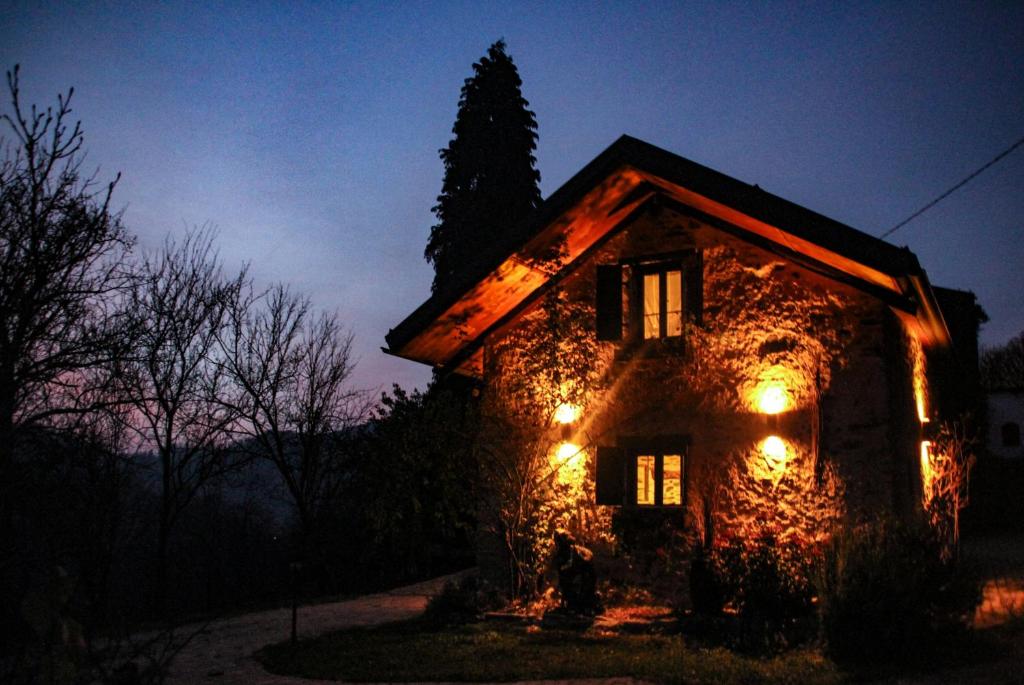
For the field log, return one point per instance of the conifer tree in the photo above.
(490, 183)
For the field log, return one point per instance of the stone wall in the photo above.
(838, 352)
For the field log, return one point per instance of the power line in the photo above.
(949, 192)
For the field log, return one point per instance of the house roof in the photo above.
(448, 329)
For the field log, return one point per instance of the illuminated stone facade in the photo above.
(790, 393)
(673, 340)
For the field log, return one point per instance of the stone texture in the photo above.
(838, 351)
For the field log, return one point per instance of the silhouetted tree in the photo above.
(173, 378)
(490, 183)
(1002, 366)
(291, 370)
(62, 271)
(420, 467)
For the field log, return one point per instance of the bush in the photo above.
(760, 578)
(462, 601)
(766, 584)
(708, 587)
(886, 594)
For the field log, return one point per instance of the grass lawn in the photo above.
(414, 651)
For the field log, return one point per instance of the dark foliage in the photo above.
(887, 595)
(62, 270)
(408, 509)
(708, 588)
(577, 578)
(462, 602)
(767, 585)
(1002, 366)
(653, 541)
(490, 183)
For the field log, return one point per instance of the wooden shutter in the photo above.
(693, 273)
(610, 487)
(609, 302)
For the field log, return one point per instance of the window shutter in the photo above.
(610, 487)
(694, 275)
(609, 302)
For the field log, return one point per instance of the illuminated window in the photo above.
(642, 472)
(672, 480)
(659, 480)
(662, 298)
(645, 480)
(663, 292)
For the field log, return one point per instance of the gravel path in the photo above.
(221, 651)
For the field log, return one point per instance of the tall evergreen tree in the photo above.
(490, 183)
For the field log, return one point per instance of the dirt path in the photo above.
(221, 652)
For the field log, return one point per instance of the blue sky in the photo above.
(308, 133)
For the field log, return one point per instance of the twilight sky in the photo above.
(308, 133)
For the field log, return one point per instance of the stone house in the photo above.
(750, 360)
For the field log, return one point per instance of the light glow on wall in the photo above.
(775, 455)
(569, 464)
(772, 398)
(774, 450)
(775, 389)
(566, 413)
(920, 379)
(927, 472)
(567, 452)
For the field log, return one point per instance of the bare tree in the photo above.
(62, 271)
(1002, 366)
(176, 384)
(291, 369)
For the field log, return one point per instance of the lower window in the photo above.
(643, 473)
(659, 480)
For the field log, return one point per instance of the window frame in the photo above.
(659, 448)
(690, 264)
(619, 290)
(632, 464)
(662, 269)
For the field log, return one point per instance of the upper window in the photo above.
(1011, 434)
(662, 293)
(662, 302)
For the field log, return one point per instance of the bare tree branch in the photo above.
(63, 271)
(291, 372)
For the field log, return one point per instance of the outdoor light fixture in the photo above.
(926, 469)
(772, 398)
(566, 413)
(567, 451)
(774, 450)
(774, 461)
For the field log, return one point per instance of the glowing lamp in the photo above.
(774, 449)
(926, 470)
(567, 451)
(566, 413)
(772, 399)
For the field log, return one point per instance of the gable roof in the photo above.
(448, 329)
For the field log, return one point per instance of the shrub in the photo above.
(462, 601)
(887, 594)
(766, 583)
(760, 578)
(708, 591)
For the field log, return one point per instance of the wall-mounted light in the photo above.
(926, 470)
(772, 398)
(774, 461)
(567, 451)
(566, 413)
(774, 450)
